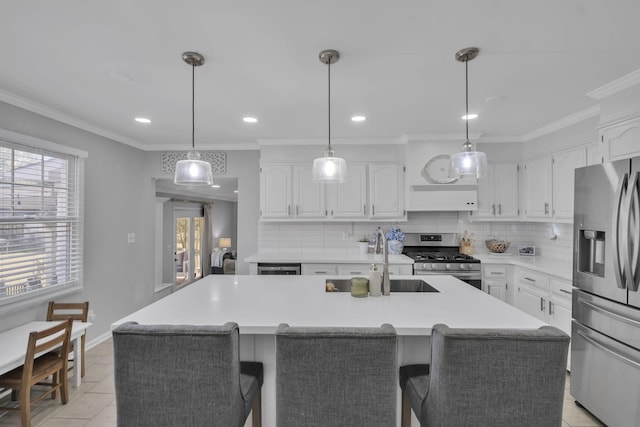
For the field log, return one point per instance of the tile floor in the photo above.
(93, 403)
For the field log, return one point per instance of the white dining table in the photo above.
(13, 345)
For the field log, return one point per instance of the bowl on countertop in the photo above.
(497, 246)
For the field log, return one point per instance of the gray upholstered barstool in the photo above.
(488, 377)
(183, 375)
(336, 376)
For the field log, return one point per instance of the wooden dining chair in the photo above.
(40, 363)
(73, 311)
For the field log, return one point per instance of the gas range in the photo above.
(438, 254)
(441, 259)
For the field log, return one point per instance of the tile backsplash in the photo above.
(314, 237)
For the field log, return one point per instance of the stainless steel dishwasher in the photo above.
(281, 269)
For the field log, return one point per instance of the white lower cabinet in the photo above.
(532, 293)
(496, 279)
(364, 269)
(318, 269)
(546, 297)
(560, 304)
(354, 269)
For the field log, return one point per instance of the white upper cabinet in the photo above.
(594, 156)
(498, 193)
(276, 191)
(386, 191)
(564, 165)
(621, 140)
(548, 185)
(538, 187)
(308, 196)
(506, 190)
(348, 200)
(288, 192)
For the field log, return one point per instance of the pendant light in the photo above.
(468, 162)
(193, 171)
(329, 169)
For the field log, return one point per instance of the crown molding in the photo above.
(562, 123)
(34, 107)
(618, 85)
(499, 139)
(228, 146)
(473, 136)
(262, 142)
(620, 118)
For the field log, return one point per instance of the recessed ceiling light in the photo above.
(358, 118)
(249, 119)
(215, 186)
(471, 116)
(143, 120)
(235, 191)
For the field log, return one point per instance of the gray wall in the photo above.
(119, 199)
(243, 165)
(225, 222)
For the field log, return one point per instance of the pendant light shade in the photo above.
(329, 168)
(468, 162)
(193, 171)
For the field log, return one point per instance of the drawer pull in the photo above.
(528, 279)
(565, 291)
(497, 273)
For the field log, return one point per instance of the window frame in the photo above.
(34, 297)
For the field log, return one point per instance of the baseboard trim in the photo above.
(98, 340)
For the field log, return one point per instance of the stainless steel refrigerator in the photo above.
(605, 340)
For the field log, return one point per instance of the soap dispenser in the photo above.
(375, 282)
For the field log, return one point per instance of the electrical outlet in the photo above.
(345, 236)
(91, 316)
(131, 238)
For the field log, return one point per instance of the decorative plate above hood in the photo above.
(429, 187)
(437, 170)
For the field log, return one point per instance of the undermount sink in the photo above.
(397, 285)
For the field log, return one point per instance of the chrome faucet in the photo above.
(386, 284)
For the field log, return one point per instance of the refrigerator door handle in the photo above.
(619, 233)
(608, 313)
(608, 350)
(633, 224)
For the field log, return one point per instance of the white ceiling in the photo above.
(99, 64)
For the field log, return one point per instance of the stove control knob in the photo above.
(433, 266)
(447, 266)
(463, 266)
(424, 265)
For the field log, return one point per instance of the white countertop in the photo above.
(259, 303)
(332, 258)
(547, 265)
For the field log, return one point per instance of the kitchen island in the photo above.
(260, 303)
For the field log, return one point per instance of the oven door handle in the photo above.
(457, 274)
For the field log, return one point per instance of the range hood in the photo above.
(441, 198)
(429, 187)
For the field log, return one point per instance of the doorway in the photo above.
(188, 232)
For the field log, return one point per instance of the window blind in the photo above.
(40, 224)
